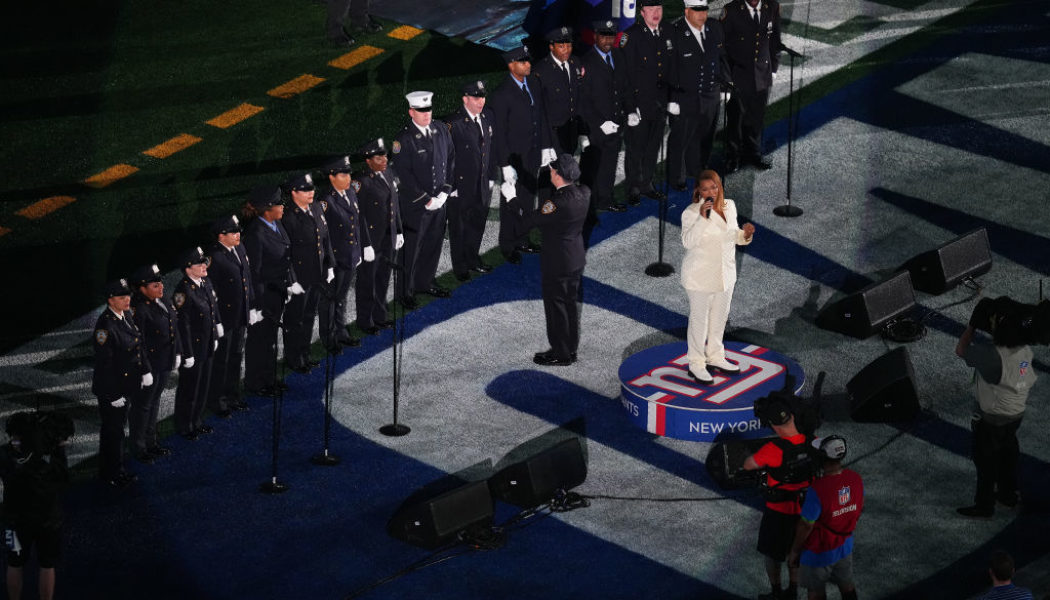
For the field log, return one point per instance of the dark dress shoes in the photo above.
(634, 198)
(388, 324)
(549, 359)
(224, 414)
(344, 42)
(205, 429)
(240, 405)
(159, 451)
(513, 258)
(350, 341)
(437, 292)
(373, 330)
(529, 248)
(192, 436)
(145, 457)
(409, 302)
(481, 268)
(761, 162)
(618, 208)
(655, 194)
(976, 512)
(462, 277)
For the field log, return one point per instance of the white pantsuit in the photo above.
(708, 276)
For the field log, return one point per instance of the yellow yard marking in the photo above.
(356, 57)
(235, 115)
(296, 86)
(405, 32)
(114, 173)
(44, 207)
(175, 144)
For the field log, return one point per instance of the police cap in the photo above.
(144, 275)
(517, 54)
(373, 148)
(561, 35)
(338, 165)
(606, 27)
(474, 88)
(566, 167)
(118, 287)
(300, 183)
(264, 196)
(193, 256)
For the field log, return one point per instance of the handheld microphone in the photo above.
(708, 212)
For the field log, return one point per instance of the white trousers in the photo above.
(708, 313)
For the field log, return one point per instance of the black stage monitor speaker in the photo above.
(433, 523)
(862, 314)
(939, 270)
(533, 481)
(884, 391)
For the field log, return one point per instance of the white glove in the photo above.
(774, 74)
(215, 345)
(219, 331)
(492, 184)
(178, 361)
(608, 127)
(634, 118)
(673, 108)
(508, 190)
(399, 241)
(147, 380)
(118, 403)
(724, 96)
(189, 362)
(254, 316)
(369, 254)
(433, 204)
(584, 142)
(455, 193)
(295, 289)
(331, 275)
(547, 157)
(443, 197)
(509, 174)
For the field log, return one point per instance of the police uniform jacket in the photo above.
(377, 198)
(603, 92)
(159, 326)
(697, 73)
(561, 92)
(311, 245)
(120, 357)
(424, 166)
(520, 129)
(270, 259)
(198, 315)
(647, 60)
(232, 278)
(473, 148)
(752, 49)
(348, 237)
(560, 219)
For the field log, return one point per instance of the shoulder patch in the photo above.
(548, 207)
(178, 299)
(356, 185)
(101, 335)
(623, 40)
(396, 147)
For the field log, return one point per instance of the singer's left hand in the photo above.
(749, 230)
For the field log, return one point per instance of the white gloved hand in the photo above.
(443, 197)
(432, 204)
(724, 96)
(214, 345)
(254, 316)
(492, 184)
(455, 193)
(118, 403)
(608, 127)
(509, 174)
(547, 157)
(178, 362)
(774, 74)
(189, 362)
(673, 108)
(584, 141)
(399, 241)
(369, 254)
(509, 191)
(634, 118)
(147, 379)
(295, 289)
(330, 276)
(219, 331)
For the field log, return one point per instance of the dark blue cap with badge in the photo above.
(228, 224)
(517, 54)
(561, 35)
(117, 287)
(566, 167)
(300, 183)
(474, 88)
(193, 256)
(606, 27)
(373, 148)
(144, 275)
(338, 165)
(265, 196)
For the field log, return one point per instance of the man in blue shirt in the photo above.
(1001, 569)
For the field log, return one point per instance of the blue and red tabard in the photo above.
(833, 504)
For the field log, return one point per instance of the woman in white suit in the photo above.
(710, 235)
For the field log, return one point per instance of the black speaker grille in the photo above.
(888, 299)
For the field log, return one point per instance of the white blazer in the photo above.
(710, 244)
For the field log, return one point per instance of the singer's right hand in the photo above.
(706, 207)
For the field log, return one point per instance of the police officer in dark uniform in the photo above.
(350, 246)
(520, 146)
(561, 220)
(121, 370)
(560, 75)
(377, 196)
(270, 258)
(231, 275)
(472, 181)
(201, 327)
(314, 266)
(752, 37)
(698, 74)
(647, 51)
(603, 91)
(424, 159)
(156, 318)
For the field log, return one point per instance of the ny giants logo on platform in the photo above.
(674, 380)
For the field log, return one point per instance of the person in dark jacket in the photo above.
(560, 75)
(377, 195)
(602, 95)
(201, 328)
(231, 275)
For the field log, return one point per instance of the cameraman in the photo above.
(787, 477)
(34, 471)
(1004, 376)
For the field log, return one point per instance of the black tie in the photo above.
(608, 59)
(755, 14)
(235, 257)
(481, 130)
(525, 90)
(565, 69)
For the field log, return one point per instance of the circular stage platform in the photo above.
(660, 397)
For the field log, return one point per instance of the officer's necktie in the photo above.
(754, 12)
(701, 40)
(233, 251)
(161, 305)
(608, 59)
(525, 89)
(481, 130)
(565, 69)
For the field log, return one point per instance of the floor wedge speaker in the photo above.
(533, 481)
(941, 269)
(884, 391)
(862, 314)
(435, 522)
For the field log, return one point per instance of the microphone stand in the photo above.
(397, 429)
(789, 210)
(660, 268)
(324, 459)
(274, 486)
